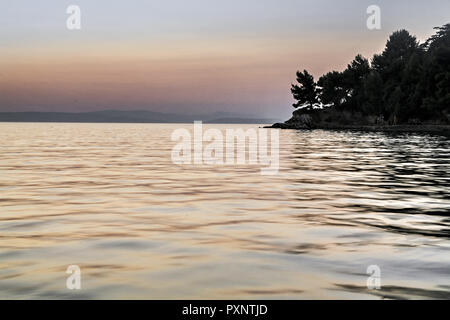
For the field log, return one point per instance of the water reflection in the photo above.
(107, 198)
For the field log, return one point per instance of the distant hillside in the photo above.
(137, 116)
(241, 120)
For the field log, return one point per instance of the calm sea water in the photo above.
(106, 197)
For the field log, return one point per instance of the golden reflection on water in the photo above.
(107, 197)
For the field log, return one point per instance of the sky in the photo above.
(188, 56)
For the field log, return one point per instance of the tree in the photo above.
(306, 92)
(373, 94)
(440, 39)
(345, 89)
(407, 83)
(436, 78)
(332, 91)
(354, 76)
(391, 65)
(412, 90)
(399, 48)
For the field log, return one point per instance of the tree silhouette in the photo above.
(406, 83)
(306, 92)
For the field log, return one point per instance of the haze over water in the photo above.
(108, 198)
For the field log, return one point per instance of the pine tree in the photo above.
(306, 92)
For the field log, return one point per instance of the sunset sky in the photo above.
(187, 56)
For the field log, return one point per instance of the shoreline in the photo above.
(434, 129)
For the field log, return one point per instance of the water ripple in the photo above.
(107, 197)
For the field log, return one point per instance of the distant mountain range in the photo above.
(136, 116)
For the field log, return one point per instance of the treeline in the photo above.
(407, 83)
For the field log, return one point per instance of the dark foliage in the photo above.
(306, 92)
(407, 83)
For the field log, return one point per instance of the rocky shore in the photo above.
(318, 120)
